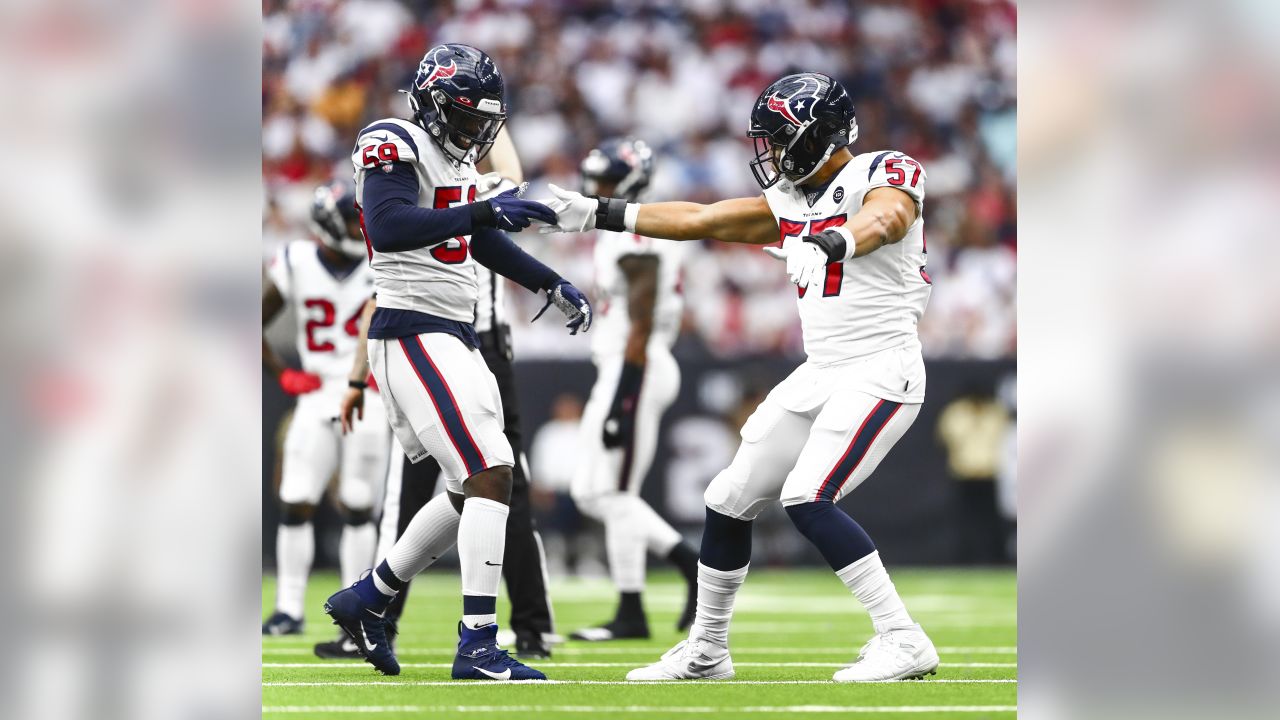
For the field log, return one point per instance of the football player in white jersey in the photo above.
(416, 187)
(637, 379)
(328, 284)
(852, 237)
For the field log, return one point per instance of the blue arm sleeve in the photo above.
(393, 219)
(494, 250)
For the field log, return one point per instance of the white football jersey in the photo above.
(327, 304)
(867, 304)
(612, 324)
(439, 280)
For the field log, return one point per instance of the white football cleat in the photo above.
(692, 659)
(900, 654)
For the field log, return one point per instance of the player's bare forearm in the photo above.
(360, 364)
(641, 272)
(272, 304)
(884, 219)
(741, 220)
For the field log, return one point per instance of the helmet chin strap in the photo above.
(818, 166)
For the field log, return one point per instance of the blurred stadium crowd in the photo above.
(932, 78)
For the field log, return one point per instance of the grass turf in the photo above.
(791, 631)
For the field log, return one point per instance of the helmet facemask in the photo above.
(465, 134)
(798, 155)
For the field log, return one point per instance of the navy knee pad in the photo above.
(296, 513)
(840, 539)
(726, 542)
(355, 518)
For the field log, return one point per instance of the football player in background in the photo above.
(637, 379)
(410, 486)
(416, 185)
(852, 237)
(327, 283)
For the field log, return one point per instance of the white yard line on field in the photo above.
(337, 665)
(666, 683)
(656, 649)
(664, 709)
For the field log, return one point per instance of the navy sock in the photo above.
(369, 592)
(837, 536)
(726, 542)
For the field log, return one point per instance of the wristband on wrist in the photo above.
(357, 384)
(834, 242)
(611, 214)
(482, 214)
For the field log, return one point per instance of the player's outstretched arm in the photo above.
(884, 219)
(741, 220)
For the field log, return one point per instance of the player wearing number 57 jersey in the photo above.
(852, 236)
(416, 187)
(327, 284)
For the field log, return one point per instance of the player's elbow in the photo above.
(891, 222)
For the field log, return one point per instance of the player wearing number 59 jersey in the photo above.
(852, 236)
(327, 284)
(416, 187)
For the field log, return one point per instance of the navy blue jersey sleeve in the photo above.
(393, 219)
(494, 250)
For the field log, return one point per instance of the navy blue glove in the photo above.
(570, 301)
(508, 211)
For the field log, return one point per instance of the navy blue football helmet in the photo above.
(335, 219)
(626, 162)
(797, 123)
(457, 98)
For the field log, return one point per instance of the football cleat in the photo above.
(371, 632)
(899, 654)
(531, 645)
(281, 624)
(614, 630)
(693, 659)
(344, 648)
(481, 658)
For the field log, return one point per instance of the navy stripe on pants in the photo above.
(446, 406)
(862, 439)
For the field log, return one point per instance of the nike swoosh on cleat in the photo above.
(492, 564)
(504, 675)
(368, 644)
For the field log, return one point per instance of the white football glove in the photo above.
(574, 211)
(494, 183)
(806, 262)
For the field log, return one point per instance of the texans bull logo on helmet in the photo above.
(798, 108)
(436, 72)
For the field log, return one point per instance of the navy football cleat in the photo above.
(281, 624)
(480, 658)
(371, 632)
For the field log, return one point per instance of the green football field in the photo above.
(791, 631)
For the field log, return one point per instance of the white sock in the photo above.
(716, 591)
(431, 532)
(869, 582)
(625, 542)
(482, 540)
(659, 537)
(295, 550)
(355, 551)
